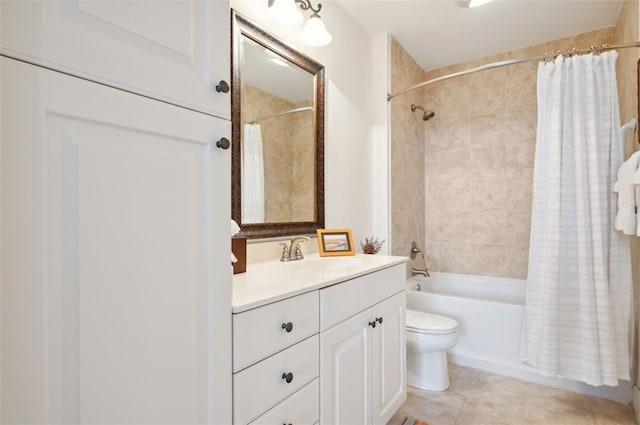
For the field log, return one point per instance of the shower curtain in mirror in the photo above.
(252, 175)
(578, 306)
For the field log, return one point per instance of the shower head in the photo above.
(427, 113)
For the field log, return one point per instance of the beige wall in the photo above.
(626, 31)
(407, 157)
(304, 178)
(289, 158)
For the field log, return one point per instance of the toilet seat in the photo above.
(428, 323)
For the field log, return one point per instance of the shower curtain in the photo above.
(579, 291)
(252, 175)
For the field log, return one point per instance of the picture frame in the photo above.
(335, 242)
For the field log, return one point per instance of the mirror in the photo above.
(277, 168)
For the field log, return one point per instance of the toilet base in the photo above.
(428, 371)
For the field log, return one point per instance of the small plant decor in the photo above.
(371, 245)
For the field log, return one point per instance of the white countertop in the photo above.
(273, 280)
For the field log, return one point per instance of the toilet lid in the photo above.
(421, 322)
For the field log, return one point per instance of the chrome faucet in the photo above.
(424, 272)
(415, 251)
(292, 251)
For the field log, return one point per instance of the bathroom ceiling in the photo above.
(437, 33)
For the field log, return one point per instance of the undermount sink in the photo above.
(330, 263)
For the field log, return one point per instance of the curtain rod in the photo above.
(279, 114)
(545, 57)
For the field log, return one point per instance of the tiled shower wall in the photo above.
(478, 161)
(407, 157)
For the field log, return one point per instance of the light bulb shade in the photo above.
(476, 3)
(286, 12)
(471, 3)
(315, 33)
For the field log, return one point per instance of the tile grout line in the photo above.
(460, 410)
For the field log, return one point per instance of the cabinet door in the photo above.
(389, 369)
(116, 304)
(173, 50)
(345, 372)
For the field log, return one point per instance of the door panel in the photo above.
(108, 285)
(345, 384)
(389, 363)
(176, 51)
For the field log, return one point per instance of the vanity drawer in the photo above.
(260, 332)
(302, 408)
(261, 386)
(339, 302)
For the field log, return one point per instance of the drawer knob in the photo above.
(287, 377)
(379, 319)
(222, 87)
(372, 324)
(287, 326)
(223, 143)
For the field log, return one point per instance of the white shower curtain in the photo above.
(253, 207)
(579, 292)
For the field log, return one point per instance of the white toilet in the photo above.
(429, 336)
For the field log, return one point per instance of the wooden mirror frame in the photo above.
(241, 26)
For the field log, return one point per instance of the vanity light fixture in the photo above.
(286, 11)
(471, 3)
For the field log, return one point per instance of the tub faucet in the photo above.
(424, 272)
(292, 251)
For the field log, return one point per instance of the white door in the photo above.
(389, 367)
(115, 256)
(345, 372)
(173, 50)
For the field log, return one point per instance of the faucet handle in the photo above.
(285, 252)
(415, 250)
(298, 253)
(295, 251)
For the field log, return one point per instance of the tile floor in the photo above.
(476, 397)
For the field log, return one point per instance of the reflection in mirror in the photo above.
(277, 114)
(277, 101)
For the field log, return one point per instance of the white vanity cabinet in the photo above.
(115, 278)
(362, 349)
(275, 362)
(175, 50)
(110, 310)
(345, 370)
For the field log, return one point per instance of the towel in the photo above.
(626, 220)
(235, 229)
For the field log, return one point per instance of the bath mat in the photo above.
(411, 421)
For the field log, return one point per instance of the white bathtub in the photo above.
(490, 315)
